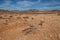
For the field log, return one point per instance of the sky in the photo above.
(30, 4)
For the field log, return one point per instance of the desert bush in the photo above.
(0, 17)
(10, 16)
(41, 23)
(26, 17)
(58, 14)
(27, 30)
(6, 22)
(32, 18)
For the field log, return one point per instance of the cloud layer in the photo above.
(29, 4)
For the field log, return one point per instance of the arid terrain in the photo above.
(30, 25)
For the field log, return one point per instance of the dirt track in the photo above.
(29, 27)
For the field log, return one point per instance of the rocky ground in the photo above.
(30, 26)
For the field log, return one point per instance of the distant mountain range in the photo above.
(29, 11)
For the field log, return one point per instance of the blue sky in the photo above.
(30, 4)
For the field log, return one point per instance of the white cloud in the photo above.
(54, 1)
(25, 3)
(6, 3)
(55, 7)
(39, 0)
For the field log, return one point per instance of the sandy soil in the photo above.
(29, 27)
